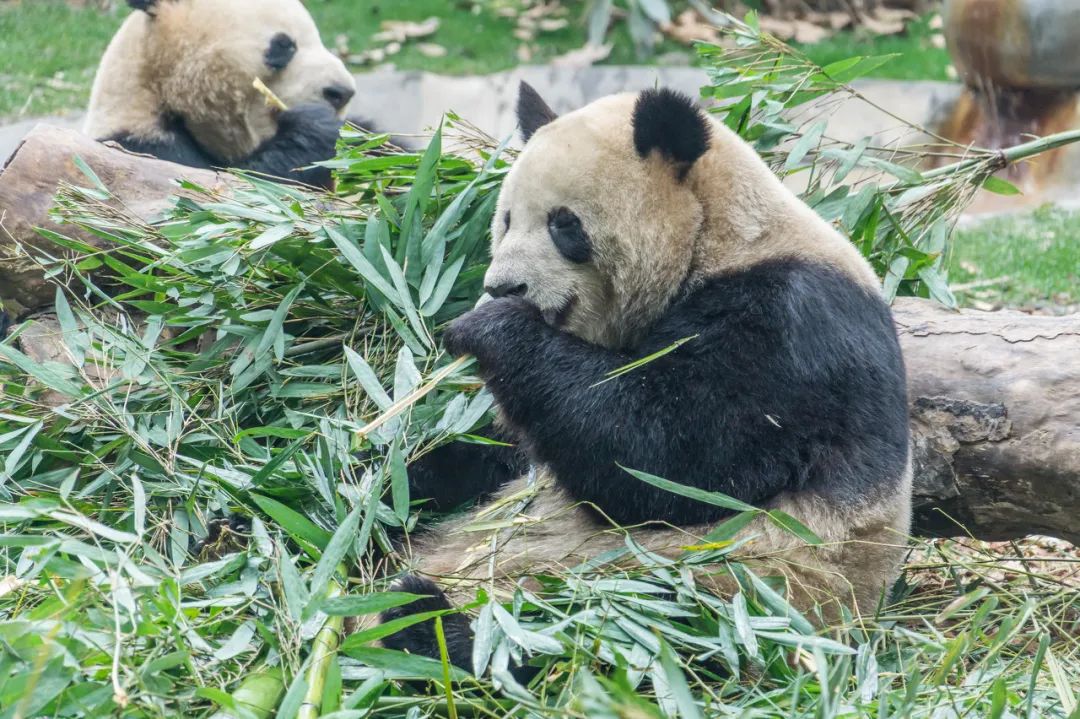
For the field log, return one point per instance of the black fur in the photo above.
(421, 638)
(459, 472)
(5, 324)
(280, 52)
(142, 4)
(670, 122)
(570, 238)
(532, 112)
(793, 380)
(305, 134)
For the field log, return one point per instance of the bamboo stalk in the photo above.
(1008, 155)
(323, 650)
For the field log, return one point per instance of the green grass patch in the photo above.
(1033, 257)
(48, 54)
(918, 58)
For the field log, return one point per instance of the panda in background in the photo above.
(624, 228)
(176, 83)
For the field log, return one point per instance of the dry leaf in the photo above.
(431, 49)
(583, 56)
(883, 27)
(690, 27)
(524, 53)
(552, 24)
(524, 34)
(402, 30)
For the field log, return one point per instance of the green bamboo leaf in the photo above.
(298, 526)
(789, 524)
(998, 186)
(631, 366)
(810, 139)
(350, 605)
(442, 288)
(52, 376)
(403, 666)
(676, 682)
(367, 271)
(368, 379)
(714, 498)
(405, 299)
(333, 555)
(399, 482)
(385, 629)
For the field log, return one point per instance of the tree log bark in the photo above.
(995, 408)
(995, 396)
(28, 184)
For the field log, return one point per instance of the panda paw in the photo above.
(315, 119)
(488, 328)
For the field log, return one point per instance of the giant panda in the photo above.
(176, 83)
(631, 226)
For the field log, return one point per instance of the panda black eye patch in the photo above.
(281, 51)
(569, 236)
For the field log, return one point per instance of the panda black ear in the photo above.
(670, 122)
(532, 112)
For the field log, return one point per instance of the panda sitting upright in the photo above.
(176, 83)
(623, 229)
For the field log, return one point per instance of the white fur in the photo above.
(198, 59)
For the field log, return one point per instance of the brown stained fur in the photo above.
(197, 59)
(651, 236)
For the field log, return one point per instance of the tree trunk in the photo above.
(28, 183)
(995, 405)
(995, 396)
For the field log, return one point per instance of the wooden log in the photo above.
(995, 396)
(28, 183)
(995, 405)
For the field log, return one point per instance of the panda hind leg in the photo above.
(421, 638)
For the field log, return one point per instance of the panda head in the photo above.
(200, 57)
(596, 221)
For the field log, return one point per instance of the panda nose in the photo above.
(504, 289)
(338, 95)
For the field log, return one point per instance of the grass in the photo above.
(48, 54)
(918, 58)
(1031, 259)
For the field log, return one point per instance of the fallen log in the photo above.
(995, 410)
(28, 182)
(995, 396)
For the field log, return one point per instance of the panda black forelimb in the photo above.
(305, 134)
(459, 472)
(175, 145)
(793, 379)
